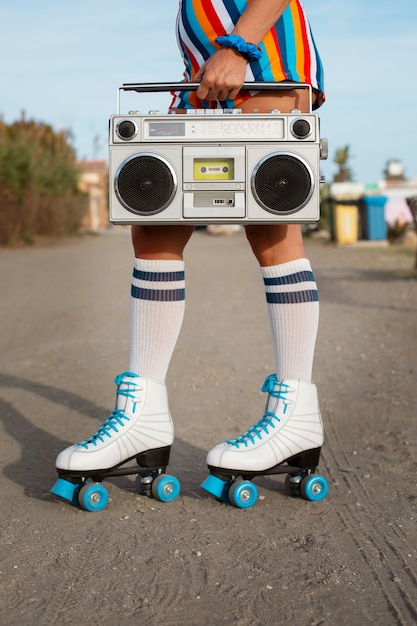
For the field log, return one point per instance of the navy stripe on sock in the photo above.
(159, 276)
(158, 295)
(291, 279)
(292, 297)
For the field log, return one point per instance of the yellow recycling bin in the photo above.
(345, 222)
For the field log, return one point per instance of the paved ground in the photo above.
(350, 559)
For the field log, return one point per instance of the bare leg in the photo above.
(160, 241)
(273, 244)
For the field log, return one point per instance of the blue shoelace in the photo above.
(117, 418)
(268, 419)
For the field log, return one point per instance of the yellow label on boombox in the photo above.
(213, 169)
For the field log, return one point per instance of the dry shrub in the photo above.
(38, 183)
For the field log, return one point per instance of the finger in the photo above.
(233, 93)
(222, 95)
(202, 92)
(203, 89)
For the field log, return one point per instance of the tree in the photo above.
(38, 182)
(341, 159)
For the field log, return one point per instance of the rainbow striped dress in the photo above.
(289, 50)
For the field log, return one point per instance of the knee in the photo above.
(160, 241)
(263, 238)
(276, 243)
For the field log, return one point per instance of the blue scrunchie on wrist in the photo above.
(249, 50)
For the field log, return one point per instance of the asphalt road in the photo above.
(350, 559)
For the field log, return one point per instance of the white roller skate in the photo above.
(139, 429)
(287, 440)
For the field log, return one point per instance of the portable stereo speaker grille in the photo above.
(214, 166)
(282, 183)
(145, 184)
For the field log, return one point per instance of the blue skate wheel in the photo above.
(243, 494)
(314, 488)
(93, 497)
(65, 490)
(165, 488)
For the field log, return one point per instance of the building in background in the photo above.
(93, 181)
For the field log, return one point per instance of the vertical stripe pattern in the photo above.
(289, 50)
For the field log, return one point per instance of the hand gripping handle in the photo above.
(183, 86)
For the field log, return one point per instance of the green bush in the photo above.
(38, 183)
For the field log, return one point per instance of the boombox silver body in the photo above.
(214, 166)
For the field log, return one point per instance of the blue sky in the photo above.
(61, 61)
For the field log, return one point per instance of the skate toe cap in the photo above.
(238, 459)
(80, 458)
(75, 459)
(63, 460)
(224, 456)
(215, 455)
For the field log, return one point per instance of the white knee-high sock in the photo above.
(157, 312)
(293, 308)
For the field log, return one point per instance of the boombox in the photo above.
(211, 166)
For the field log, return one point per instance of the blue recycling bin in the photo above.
(374, 226)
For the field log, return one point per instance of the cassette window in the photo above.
(214, 169)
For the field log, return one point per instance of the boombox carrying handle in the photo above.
(183, 86)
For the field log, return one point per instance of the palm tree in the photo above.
(341, 159)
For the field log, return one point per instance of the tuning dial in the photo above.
(126, 129)
(301, 128)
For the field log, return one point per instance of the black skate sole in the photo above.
(227, 487)
(306, 460)
(146, 462)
